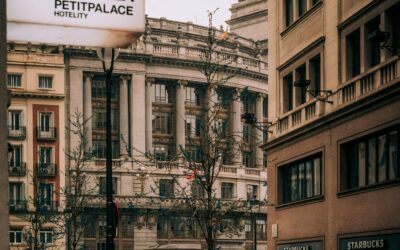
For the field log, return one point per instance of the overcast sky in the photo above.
(190, 10)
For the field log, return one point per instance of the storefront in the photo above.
(384, 242)
(311, 245)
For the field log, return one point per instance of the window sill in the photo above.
(369, 188)
(301, 18)
(300, 202)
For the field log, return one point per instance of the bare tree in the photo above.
(78, 191)
(203, 154)
(42, 215)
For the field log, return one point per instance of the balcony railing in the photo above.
(16, 168)
(17, 205)
(46, 133)
(47, 206)
(373, 80)
(46, 170)
(16, 133)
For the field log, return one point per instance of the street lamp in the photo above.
(108, 55)
(320, 95)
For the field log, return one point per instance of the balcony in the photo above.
(368, 83)
(16, 133)
(46, 170)
(49, 133)
(16, 168)
(16, 206)
(47, 206)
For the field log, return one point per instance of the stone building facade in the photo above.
(158, 91)
(35, 131)
(333, 150)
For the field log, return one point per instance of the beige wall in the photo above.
(334, 214)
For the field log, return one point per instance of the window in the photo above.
(161, 93)
(45, 194)
(302, 7)
(246, 133)
(45, 155)
(301, 92)
(394, 21)
(226, 190)
(315, 74)
(15, 120)
(183, 227)
(288, 92)
(99, 119)
(14, 80)
(265, 107)
(162, 226)
(103, 185)
(224, 98)
(373, 49)
(353, 55)
(99, 88)
(197, 190)
(261, 229)
(227, 224)
(166, 188)
(45, 122)
(295, 96)
(16, 193)
(193, 153)
(289, 12)
(252, 192)
(301, 180)
(247, 159)
(370, 160)
(193, 96)
(15, 236)
(46, 237)
(16, 158)
(45, 82)
(100, 148)
(193, 125)
(127, 224)
(314, 2)
(162, 123)
(162, 152)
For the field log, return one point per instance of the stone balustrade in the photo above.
(371, 81)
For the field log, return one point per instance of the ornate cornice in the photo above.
(150, 59)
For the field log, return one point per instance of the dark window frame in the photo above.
(351, 178)
(294, 175)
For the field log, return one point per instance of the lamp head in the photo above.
(378, 36)
(249, 118)
(301, 83)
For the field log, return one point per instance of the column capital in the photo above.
(125, 77)
(182, 83)
(150, 81)
(261, 95)
(237, 92)
(88, 75)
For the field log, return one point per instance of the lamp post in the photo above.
(108, 55)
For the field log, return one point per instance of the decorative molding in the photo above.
(36, 95)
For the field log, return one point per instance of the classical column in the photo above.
(259, 133)
(149, 114)
(138, 121)
(236, 128)
(123, 115)
(180, 115)
(87, 108)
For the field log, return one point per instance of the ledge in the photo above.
(300, 202)
(369, 188)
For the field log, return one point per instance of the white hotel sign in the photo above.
(102, 23)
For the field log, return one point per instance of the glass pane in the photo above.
(393, 155)
(382, 152)
(12, 237)
(317, 176)
(302, 187)
(18, 236)
(309, 175)
(294, 184)
(361, 164)
(372, 161)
